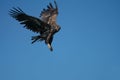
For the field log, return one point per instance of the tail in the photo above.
(39, 38)
(36, 38)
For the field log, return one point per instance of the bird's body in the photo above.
(45, 26)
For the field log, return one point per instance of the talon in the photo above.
(50, 47)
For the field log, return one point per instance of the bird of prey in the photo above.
(45, 25)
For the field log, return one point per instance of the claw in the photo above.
(50, 47)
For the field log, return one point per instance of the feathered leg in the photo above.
(49, 39)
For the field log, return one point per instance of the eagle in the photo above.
(45, 26)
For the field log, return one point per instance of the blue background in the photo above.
(86, 48)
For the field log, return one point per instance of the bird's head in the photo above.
(58, 28)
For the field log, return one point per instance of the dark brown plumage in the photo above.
(46, 26)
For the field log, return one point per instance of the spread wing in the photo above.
(32, 23)
(49, 13)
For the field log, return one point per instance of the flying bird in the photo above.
(45, 26)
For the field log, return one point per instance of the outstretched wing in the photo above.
(31, 23)
(49, 13)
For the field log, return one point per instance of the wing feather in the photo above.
(32, 23)
(50, 5)
(49, 12)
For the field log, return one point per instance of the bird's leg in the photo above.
(50, 47)
(49, 35)
(48, 40)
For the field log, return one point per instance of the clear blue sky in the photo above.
(86, 48)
